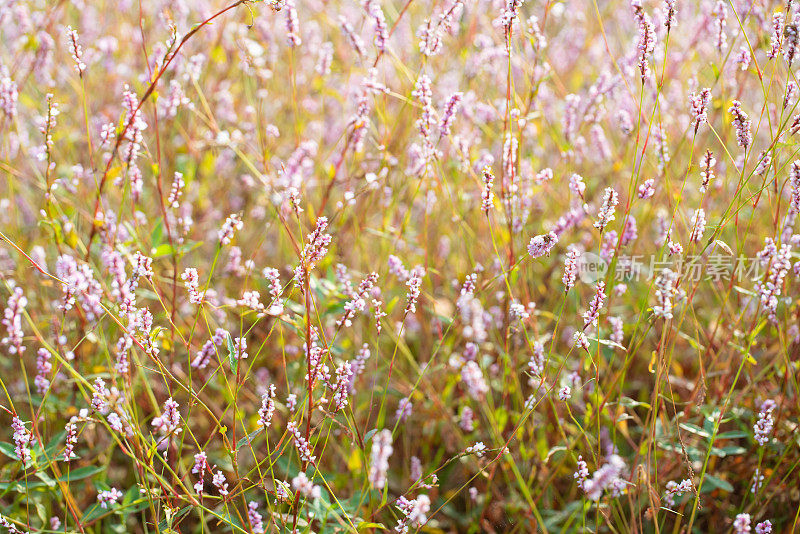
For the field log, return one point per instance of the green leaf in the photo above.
(364, 525)
(554, 450)
(609, 343)
(164, 249)
(733, 434)
(21, 487)
(248, 438)
(157, 234)
(694, 429)
(630, 403)
(165, 525)
(55, 443)
(94, 512)
(41, 511)
(47, 479)
(716, 483)
(368, 435)
(8, 450)
(81, 473)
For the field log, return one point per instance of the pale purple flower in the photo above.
(357, 365)
(758, 481)
(22, 439)
(414, 285)
(199, 468)
(379, 21)
(794, 182)
(472, 377)
(776, 38)
(675, 489)
(293, 38)
(424, 95)
(647, 38)
(379, 458)
(479, 449)
(675, 248)
(720, 13)
(303, 448)
(240, 348)
(282, 491)
(536, 363)
(669, 14)
(291, 402)
(12, 320)
(305, 486)
(764, 161)
(790, 43)
(778, 263)
(315, 249)
(606, 477)
(9, 94)
(43, 370)
(466, 422)
(109, 498)
(581, 473)
(591, 315)
(647, 189)
(606, 213)
(541, 245)
(741, 525)
(344, 378)
(414, 510)
(765, 527)
(358, 302)
(255, 519)
(742, 124)
(75, 50)
(229, 228)
(219, 482)
(544, 176)
(617, 327)
(71, 439)
(576, 185)
(176, 190)
(707, 170)
(698, 225)
(404, 409)
(487, 196)
(209, 349)
(168, 423)
(100, 396)
(192, 283)
(790, 94)
(743, 58)
(570, 268)
(175, 99)
(763, 427)
(267, 409)
(666, 290)
(698, 106)
(450, 109)
(355, 40)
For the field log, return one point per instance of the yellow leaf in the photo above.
(354, 462)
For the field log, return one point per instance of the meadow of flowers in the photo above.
(399, 266)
